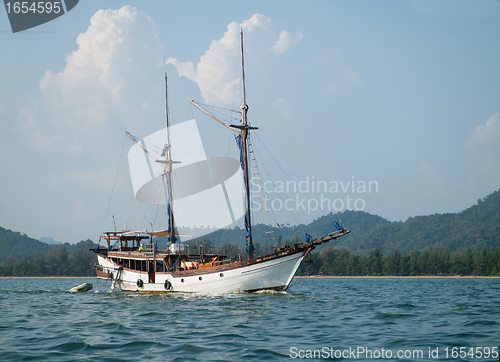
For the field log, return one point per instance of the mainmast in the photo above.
(243, 131)
(168, 171)
(244, 136)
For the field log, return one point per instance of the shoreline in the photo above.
(44, 277)
(396, 277)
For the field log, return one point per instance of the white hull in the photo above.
(274, 274)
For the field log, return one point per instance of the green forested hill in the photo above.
(16, 244)
(476, 227)
(24, 256)
(358, 222)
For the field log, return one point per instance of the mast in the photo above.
(244, 136)
(166, 163)
(168, 171)
(242, 130)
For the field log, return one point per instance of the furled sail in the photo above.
(208, 191)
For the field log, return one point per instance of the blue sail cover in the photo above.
(239, 142)
(339, 228)
(172, 236)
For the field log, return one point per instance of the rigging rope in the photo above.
(304, 193)
(290, 126)
(272, 216)
(272, 212)
(114, 184)
(224, 109)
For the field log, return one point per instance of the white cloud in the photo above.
(103, 179)
(485, 134)
(108, 77)
(214, 73)
(332, 88)
(483, 147)
(286, 41)
(43, 141)
(79, 210)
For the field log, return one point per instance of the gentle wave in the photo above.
(40, 319)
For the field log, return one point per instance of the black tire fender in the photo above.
(167, 285)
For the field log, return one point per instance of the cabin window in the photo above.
(160, 266)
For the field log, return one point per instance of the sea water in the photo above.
(358, 319)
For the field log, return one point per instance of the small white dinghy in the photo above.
(82, 287)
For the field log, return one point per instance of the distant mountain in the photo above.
(476, 227)
(50, 241)
(358, 222)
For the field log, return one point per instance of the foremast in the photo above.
(243, 132)
(167, 164)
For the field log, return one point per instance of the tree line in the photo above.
(329, 261)
(342, 262)
(55, 262)
(430, 261)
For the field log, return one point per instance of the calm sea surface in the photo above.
(321, 318)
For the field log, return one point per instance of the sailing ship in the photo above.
(134, 262)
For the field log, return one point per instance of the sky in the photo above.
(393, 105)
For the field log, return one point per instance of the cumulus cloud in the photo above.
(103, 79)
(215, 73)
(286, 41)
(485, 134)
